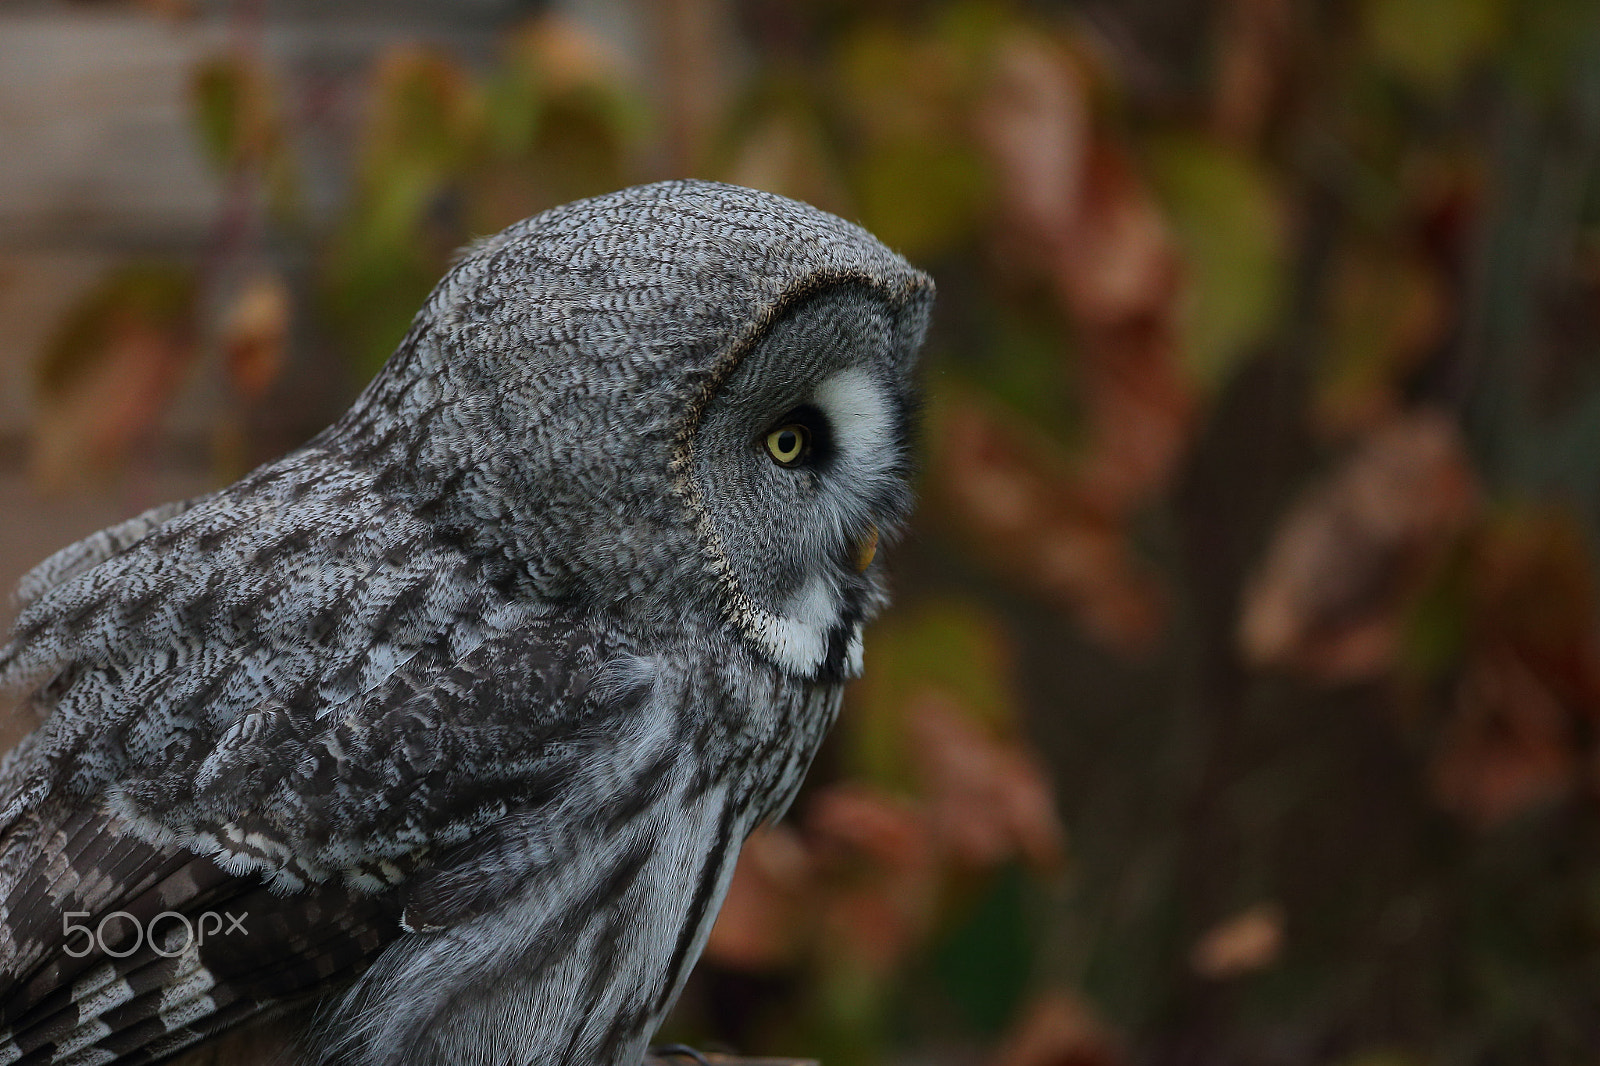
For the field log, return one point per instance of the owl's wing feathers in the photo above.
(524, 690)
(241, 728)
(301, 587)
(95, 549)
(224, 949)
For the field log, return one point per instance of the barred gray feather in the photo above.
(470, 703)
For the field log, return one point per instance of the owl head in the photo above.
(684, 404)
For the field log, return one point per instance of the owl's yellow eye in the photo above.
(789, 444)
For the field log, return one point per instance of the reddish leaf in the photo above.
(1533, 592)
(879, 863)
(1329, 597)
(1076, 211)
(771, 904)
(1059, 1029)
(1519, 729)
(987, 800)
(1250, 940)
(1508, 745)
(1254, 58)
(111, 370)
(1060, 535)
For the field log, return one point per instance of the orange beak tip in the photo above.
(867, 549)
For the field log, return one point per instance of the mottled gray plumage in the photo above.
(471, 701)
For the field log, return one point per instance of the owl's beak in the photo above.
(866, 549)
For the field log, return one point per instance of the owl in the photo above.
(439, 737)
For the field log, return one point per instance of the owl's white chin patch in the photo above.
(801, 648)
(795, 646)
(797, 639)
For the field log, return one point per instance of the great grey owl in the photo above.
(467, 706)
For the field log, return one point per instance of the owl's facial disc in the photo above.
(851, 422)
(854, 445)
(802, 460)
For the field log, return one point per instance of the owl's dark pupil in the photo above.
(788, 442)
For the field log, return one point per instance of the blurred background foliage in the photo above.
(1242, 699)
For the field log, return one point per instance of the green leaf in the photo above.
(984, 963)
(1227, 216)
(219, 89)
(955, 648)
(513, 105)
(158, 296)
(921, 197)
(426, 113)
(1029, 363)
(918, 187)
(1434, 43)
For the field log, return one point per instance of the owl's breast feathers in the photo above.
(295, 703)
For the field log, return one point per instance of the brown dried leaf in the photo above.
(1071, 196)
(120, 399)
(1037, 124)
(770, 907)
(1507, 633)
(563, 52)
(255, 332)
(1059, 1029)
(786, 153)
(110, 371)
(1253, 60)
(853, 822)
(1034, 519)
(987, 800)
(1140, 412)
(1117, 262)
(1388, 311)
(1509, 745)
(1328, 597)
(1249, 941)
(1533, 594)
(878, 864)
(1077, 212)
